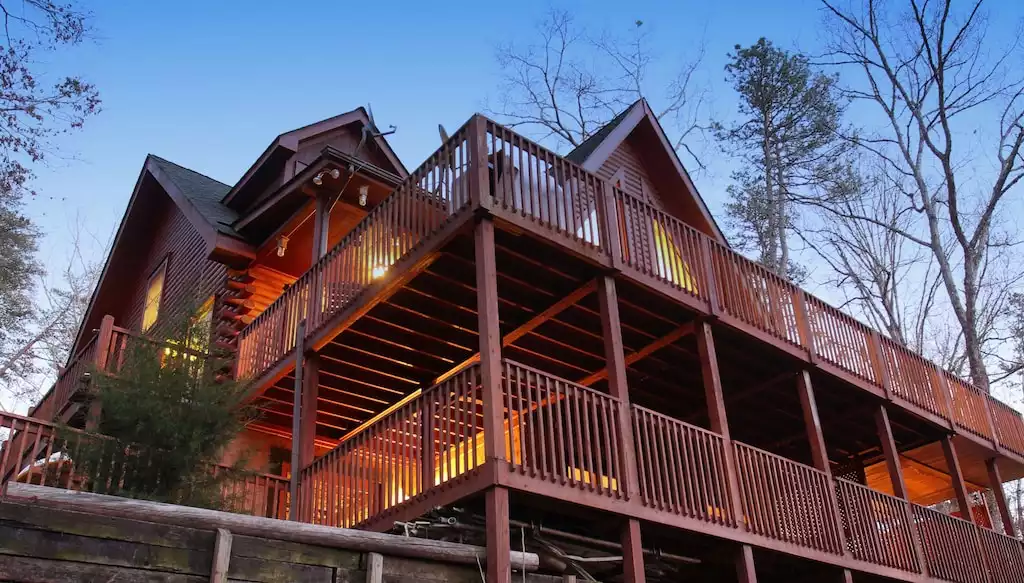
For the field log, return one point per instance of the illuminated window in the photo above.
(154, 292)
(199, 334)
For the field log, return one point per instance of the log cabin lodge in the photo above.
(522, 349)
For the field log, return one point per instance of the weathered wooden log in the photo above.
(356, 540)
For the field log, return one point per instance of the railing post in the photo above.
(819, 455)
(877, 357)
(479, 176)
(426, 442)
(716, 412)
(103, 339)
(942, 385)
(803, 323)
(310, 390)
(610, 224)
(711, 282)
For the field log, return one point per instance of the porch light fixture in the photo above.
(282, 245)
(319, 178)
(364, 191)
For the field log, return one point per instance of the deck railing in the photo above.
(429, 440)
(1003, 555)
(786, 501)
(538, 190)
(416, 210)
(558, 431)
(951, 548)
(682, 468)
(877, 526)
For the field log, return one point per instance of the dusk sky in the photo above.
(209, 84)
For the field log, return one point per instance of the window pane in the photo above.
(153, 295)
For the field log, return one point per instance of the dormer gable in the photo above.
(633, 153)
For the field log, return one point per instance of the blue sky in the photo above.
(209, 84)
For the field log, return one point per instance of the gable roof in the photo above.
(287, 144)
(202, 192)
(596, 150)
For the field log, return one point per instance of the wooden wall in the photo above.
(191, 277)
(636, 179)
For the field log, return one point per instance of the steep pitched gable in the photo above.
(633, 147)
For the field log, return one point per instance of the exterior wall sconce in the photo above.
(364, 191)
(319, 178)
(282, 245)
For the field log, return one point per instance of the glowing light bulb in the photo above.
(379, 271)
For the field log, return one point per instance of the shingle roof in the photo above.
(580, 154)
(203, 192)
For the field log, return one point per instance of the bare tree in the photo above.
(567, 85)
(889, 281)
(927, 69)
(49, 335)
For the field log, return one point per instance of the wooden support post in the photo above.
(995, 482)
(490, 341)
(609, 225)
(479, 179)
(956, 475)
(374, 568)
(221, 556)
(892, 455)
(712, 380)
(816, 439)
(296, 462)
(745, 572)
(632, 553)
(899, 487)
(846, 576)
(615, 362)
(103, 340)
(321, 225)
(499, 563)
(310, 389)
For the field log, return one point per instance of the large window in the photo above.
(154, 293)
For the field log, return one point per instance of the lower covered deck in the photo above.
(719, 441)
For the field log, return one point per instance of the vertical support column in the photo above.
(103, 339)
(499, 568)
(632, 553)
(816, 439)
(892, 455)
(499, 563)
(745, 572)
(296, 461)
(609, 225)
(310, 390)
(321, 225)
(615, 360)
(995, 481)
(899, 487)
(716, 411)
(956, 475)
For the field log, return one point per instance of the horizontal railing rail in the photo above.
(558, 431)
(682, 468)
(1009, 432)
(786, 501)
(1003, 555)
(950, 546)
(878, 527)
(428, 441)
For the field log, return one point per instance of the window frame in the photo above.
(162, 270)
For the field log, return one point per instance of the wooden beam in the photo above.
(635, 356)
(221, 556)
(632, 553)
(296, 461)
(528, 326)
(892, 455)
(745, 572)
(499, 565)
(995, 482)
(956, 475)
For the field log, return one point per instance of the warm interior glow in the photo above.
(379, 271)
(154, 291)
(671, 265)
